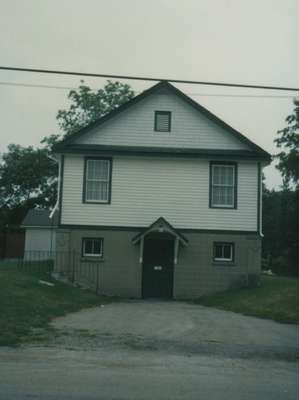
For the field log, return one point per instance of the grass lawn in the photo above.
(277, 298)
(27, 307)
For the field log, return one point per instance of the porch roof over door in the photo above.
(161, 226)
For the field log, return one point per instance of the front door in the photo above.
(157, 273)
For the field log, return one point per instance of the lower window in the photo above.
(223, 251)
(92, 247)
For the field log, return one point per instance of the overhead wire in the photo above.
(43, 86)
(145, 78)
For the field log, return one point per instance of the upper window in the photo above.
(92, 247)
(223, 181)
(162, 121)
(224, 252)
(97, 181)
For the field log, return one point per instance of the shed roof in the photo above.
(39, 218)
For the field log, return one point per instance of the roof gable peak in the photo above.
(162, 85)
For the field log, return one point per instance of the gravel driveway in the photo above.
(179, 327)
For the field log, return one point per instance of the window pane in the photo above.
(92, 190)
(97, 246)
(88, 246)
(218, 251)
(104, 191)
(227, 251)
(222, 196)
(216, 195)
(229, 175)
(216, 174)
(97, 191)
(91, 165)
(98, 169)
(102, 169)
(227, 195)
(223, 175)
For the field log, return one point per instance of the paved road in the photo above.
(64, 374)
(156, 350)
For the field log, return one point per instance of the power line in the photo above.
(42, 86)
(139, 78)
(36, 85)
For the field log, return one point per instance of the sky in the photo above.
(236, 41)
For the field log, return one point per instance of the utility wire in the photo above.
(139, 78)
(36, 85)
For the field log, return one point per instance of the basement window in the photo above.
(224, 251)
(92, 247)
(162, 121)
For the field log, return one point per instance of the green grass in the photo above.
(277, 298)
(27, 307)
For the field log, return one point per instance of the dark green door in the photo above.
(157, 273)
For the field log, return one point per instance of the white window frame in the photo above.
(84, 254)
(233, 186)
(231, 258)
(107, 181)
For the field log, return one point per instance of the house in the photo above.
(40, 234)
(164, 197)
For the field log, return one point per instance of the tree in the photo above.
(288, 140)
(281, 208)
(88, 105)
(27, 178)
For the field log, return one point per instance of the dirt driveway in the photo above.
(156, 350)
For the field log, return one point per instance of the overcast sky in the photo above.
(241, 41)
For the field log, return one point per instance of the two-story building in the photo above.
(165, 196)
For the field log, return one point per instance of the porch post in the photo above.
(141, 250)
(176, 250)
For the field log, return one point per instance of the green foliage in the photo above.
(288, 140)
(281, 230)
(27, 307)
(88, 105)
(276, 298)
(281, 208)
(27, 178)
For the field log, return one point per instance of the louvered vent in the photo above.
(162, 121)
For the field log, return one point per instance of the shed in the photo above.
(40, 234)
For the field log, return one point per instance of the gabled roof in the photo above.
(39, 218)
(63, 145)
(160, 226)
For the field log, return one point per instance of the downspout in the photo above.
(260, 199)
(56, 207)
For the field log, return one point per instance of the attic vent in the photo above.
(162, 121)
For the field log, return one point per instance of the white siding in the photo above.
(144, 189)
(189, 128)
